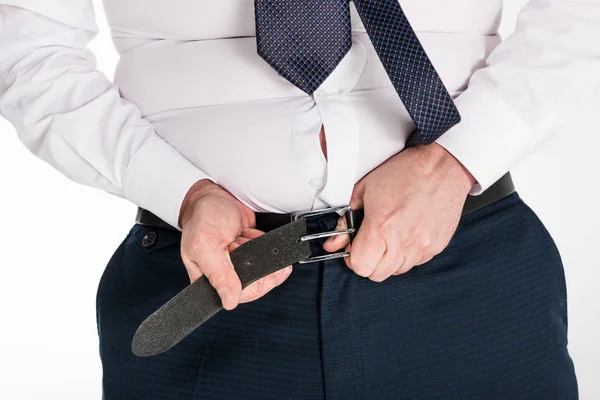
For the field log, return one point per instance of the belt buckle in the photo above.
(313, 213)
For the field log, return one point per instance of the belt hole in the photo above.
(275, 252)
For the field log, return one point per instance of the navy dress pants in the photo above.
(484, 320)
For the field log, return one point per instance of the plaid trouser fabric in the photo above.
(305, 40)
(486, 319)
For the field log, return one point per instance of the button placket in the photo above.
(321, 94)
(332, 104)
(311, 161)
(342, 149)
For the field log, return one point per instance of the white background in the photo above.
(57, 236)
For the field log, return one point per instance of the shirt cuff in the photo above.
(490, 139)
(157, 179)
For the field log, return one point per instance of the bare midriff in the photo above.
(323, 141)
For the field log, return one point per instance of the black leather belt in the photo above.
(285, 243)
(266, 221)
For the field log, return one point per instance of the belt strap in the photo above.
(253, 260)
(195, 304)
(499, 190)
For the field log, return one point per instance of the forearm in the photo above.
(533, 81)
(71, 116)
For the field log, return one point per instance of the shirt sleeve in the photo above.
(547, 69)
(71, 116)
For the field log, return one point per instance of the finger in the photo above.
(263, 286)
(216, 265)
(335, 243)
(247, 235)
(427, 256)
(367, 249)
(193, 269)
(391, 260)
(240, 240)
(251, 233)
(411, 259)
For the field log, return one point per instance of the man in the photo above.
(226, 113)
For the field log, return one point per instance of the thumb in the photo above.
(216, 265)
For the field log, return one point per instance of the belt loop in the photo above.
(354, 219)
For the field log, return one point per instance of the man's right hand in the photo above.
(214, 223)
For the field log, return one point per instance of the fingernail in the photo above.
(288, 270)
(224, 293)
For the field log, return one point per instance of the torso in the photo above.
(191, 67)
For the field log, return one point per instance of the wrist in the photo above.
(196, 191)
(441, 160)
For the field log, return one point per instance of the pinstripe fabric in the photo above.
(484, 320)
(305, 40)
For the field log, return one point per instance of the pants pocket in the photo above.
(140, 278)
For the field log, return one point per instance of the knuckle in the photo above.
(404, 237)
(387, 226)
(184, 254)
(425, 241)
(196, 240)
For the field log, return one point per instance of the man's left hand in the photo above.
(412, 204)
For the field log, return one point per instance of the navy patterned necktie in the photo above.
(304, 41)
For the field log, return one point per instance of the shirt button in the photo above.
(321, 94)
(316, 183)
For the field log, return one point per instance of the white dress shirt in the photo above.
(193, 100)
